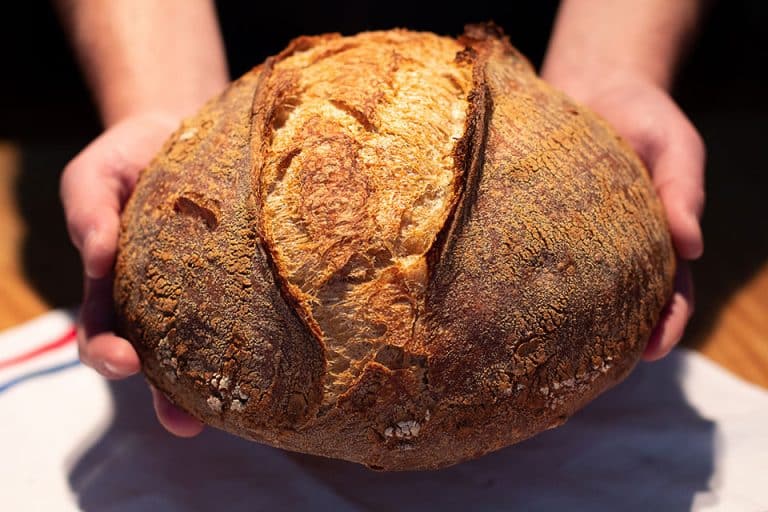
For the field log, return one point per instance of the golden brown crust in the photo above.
(394, 248)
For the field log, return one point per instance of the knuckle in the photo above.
(68, 175)
(698, 145)
(664, 188)
(694, 142)
(77, 221)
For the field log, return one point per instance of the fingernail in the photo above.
(112, 369)
(88, 243)
(697, 244)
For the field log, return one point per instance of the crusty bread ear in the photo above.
(394, 248)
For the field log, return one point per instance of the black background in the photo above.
(42, 93)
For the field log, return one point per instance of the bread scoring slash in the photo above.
(395, 248)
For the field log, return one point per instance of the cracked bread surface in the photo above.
(394, 248)
(357, 181)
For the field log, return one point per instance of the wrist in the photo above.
(604, 40)
(144, 55)
(161, 118)
(588, 81)
(159, 103)
(574, 67)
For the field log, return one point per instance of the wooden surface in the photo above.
(18, 301)
(736, 333)
(738, 338)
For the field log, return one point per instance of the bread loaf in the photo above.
(395, 248)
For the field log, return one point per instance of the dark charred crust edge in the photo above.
(469, 156)
(301, 44)
(259, 124)
(490, 33)
(480, 32)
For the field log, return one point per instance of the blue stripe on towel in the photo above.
(5, 386)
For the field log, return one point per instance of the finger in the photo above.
(112, 356)
(670, 328)
(100, 348)
(678, 174)
(175, 421)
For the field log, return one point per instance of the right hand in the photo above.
(95, 186)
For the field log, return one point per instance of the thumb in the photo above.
(677, 167)
(91, 196)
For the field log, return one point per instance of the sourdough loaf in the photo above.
(398, 249)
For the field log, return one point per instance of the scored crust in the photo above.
(394, 248)
(356, 180)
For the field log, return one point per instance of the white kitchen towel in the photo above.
(680, 434)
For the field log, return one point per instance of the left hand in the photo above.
(669, 145)
(94, 188)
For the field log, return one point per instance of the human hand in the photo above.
(647, 117)
(94, 188)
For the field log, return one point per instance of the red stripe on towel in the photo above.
(69, 337)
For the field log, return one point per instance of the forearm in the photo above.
(147, 55)
(595, 39)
